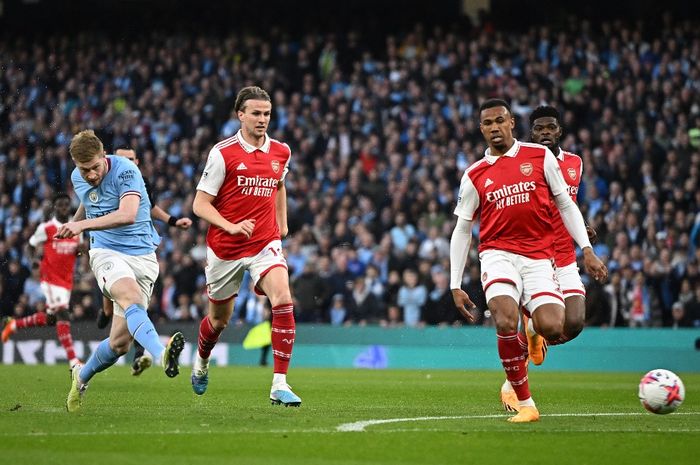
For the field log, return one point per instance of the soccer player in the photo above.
(241, 194)
(142, 360)
(545, 129)
(56, 278)
(510, 190)
(115, 209)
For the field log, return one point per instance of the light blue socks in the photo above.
(141, 327)
(102, 358)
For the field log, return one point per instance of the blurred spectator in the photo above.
(338, 311)
(412, 297)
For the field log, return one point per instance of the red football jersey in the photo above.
(58, 260)
(244, 181)
(512, 195)
(572, 168)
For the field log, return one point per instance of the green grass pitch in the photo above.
(448, 417)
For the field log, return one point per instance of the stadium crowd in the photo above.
(380, 135)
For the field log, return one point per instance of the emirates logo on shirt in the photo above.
(526, 169)
(572, 173)
(275, 166)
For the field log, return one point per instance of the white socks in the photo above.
(279, 378)
(201, 365)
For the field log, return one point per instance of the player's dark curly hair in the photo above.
(543, 112)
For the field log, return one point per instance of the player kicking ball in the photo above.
(115, 209)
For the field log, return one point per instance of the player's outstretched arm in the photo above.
(158, 213)
(124, 215)
(459, 251)
(203, 208)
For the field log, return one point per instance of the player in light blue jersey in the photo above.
(114, 207)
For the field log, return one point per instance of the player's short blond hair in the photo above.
(85, 145)
(250, 93)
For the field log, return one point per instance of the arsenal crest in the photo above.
(526, 169)
(572, 173)
(275, 166)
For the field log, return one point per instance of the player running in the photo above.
(510, 189)
(241, 194)
(56, 278)
(545, 129)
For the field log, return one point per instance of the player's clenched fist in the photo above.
(68, 230)
(245, 227)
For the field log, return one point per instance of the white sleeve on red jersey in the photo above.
(286, 165)
(39, 235)
(459, 251)
(552, 174)
(468, 199)
(213, 174)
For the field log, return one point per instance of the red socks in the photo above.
(208, 337)
(283, 332)
(38, 319)
(514, 361)
(65, 338)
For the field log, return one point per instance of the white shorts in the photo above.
(224, 276)
(570, 281)
(529, 282)
(57, 297)
(110, 266)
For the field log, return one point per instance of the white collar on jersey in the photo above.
(491, 159)
(251, 148)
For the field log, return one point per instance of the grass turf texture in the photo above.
(154, 420)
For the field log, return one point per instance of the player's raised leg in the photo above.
(38, 319)
(575, 303)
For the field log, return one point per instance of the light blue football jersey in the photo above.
(123, 177)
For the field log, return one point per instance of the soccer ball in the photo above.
(661, 391)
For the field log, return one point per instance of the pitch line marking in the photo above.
(359, 426)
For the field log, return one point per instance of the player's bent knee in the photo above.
(572, 330)
(51, 319)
